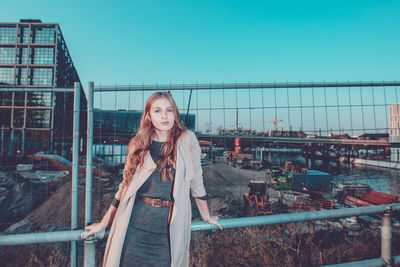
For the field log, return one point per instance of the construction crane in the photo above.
(275, 122)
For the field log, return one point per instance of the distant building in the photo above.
(394, 132)
(112, 131)
(34, 55)
(124, 123)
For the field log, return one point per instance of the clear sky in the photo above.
(223, 41)
(146, 41)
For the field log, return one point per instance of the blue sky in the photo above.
(223, 41)
(135, 42)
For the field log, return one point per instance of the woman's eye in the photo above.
(169, 110)
(157, 110)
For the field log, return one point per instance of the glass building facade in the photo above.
(34, 55)
(114, 128)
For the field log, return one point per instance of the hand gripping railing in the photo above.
(385, 260)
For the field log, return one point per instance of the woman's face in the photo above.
(162, 115)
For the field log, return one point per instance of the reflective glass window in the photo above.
(6, 75)
(39, 99)
(41, 76)
(18, 118)
(5, 117)
(21, 76)
(41, 55)
(22, 55)
(19, 99)
(38, 118)
(7, 55)
(5, 98)
(7, 34)
(23, 36)
(43, 35)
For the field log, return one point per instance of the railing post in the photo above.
(75, 170)
(90, 252)
(386, 237)
(90, 248)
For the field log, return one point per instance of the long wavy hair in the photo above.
(139, 145)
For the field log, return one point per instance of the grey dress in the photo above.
(146, 241)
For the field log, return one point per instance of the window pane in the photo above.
(18, 118)
(43, 35)
(19, 99)
(7, 55)
(41, 76)
(5, 99)
(42, 55)
(22, 55)
(23, 35)
(38, 118)
(6, 75)
(5, 117)
(21, 76)
(39, 99)
(7, 34)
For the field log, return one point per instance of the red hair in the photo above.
(139, 145)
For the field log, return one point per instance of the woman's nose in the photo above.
(164, 114)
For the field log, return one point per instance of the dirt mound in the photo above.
(18, 197)
(55, 215)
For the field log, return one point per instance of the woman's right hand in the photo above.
(93, 229)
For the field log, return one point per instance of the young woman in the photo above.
(151, 214)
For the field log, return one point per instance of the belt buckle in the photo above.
(153, 204)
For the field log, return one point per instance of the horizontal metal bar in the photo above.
(294, 217)
(44, 237)
(365, 263)
(63, 236)
(27, 89)
(166, 87)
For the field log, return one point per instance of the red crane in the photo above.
(275, 122)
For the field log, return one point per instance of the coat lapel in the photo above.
(140, 176)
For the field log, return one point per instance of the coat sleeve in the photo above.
(196, 181)
(120, 192)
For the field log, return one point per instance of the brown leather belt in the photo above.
(156, 202)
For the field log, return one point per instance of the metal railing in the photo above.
(386, 231)
(89, 258)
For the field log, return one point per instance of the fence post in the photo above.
(75, 169)
(386, 237)
(90, 252)
(90, 248)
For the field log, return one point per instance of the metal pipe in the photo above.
(365, 263)
(386, 237)
(167, 87)
(89, 155)
(45, 237)
(90, 250)
(21, 239)
(26, 89)
(294, 217)
(35, 238)
(75, 169)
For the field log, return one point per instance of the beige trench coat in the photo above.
(188, 177)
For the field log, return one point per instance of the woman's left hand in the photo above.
(214, 220)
